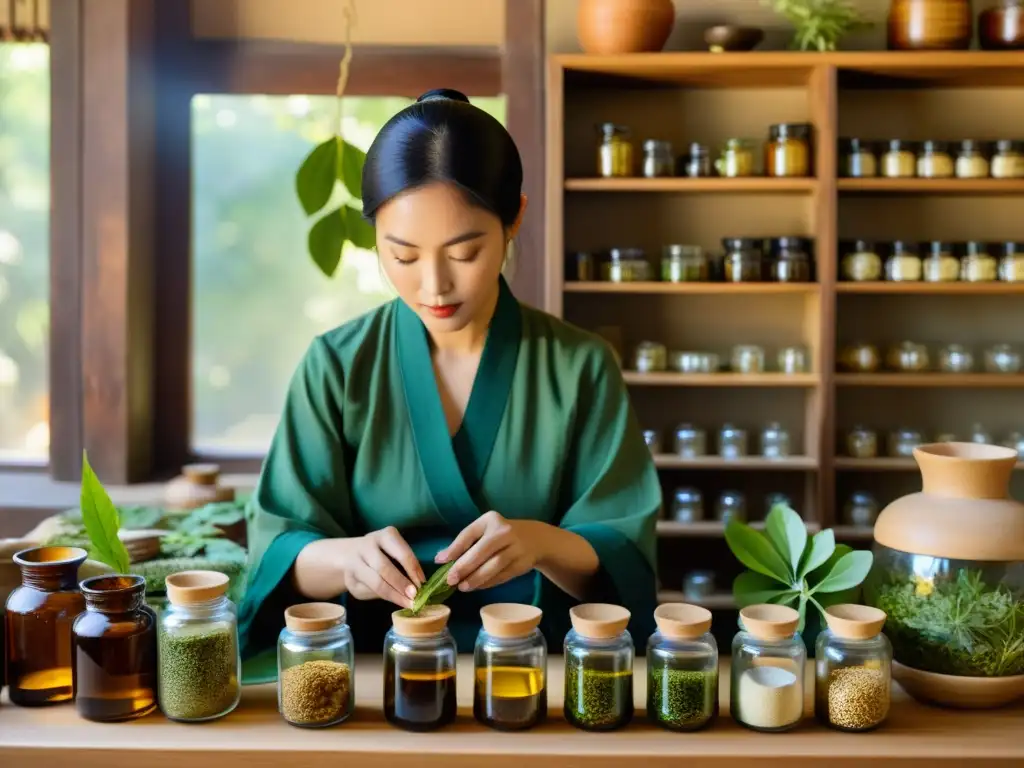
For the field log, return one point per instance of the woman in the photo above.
(452, 423)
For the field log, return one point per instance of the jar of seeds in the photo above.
(768, 660)
(598, 655)
(853, 669)
(419, 669)
(198, 663)
(315, 666)
(691, 442)
(682, 668)
(510, 663)
(687, 505)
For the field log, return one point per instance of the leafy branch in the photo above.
(101, 521)
(819, 25)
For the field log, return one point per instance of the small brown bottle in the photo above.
(114, 662)
(40, 614)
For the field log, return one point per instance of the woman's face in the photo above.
(442, 254)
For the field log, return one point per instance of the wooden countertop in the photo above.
(254, 735)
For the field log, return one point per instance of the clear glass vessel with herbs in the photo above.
(977, 264)
(860, 261)
(682, 668)
(743, 259)
(315, 666)
(691, 442)
(614, 152)
(687, 505)
(1011, 262)
(853, 669)
(198, 663)
(598, 653)
(940, 263)
(683, 264)
(732, 442)
(650, 357)
(934, 160)
(115, 650)
(899, 159)
(39, 617)
(971, 160)
(510, 662)
(788, 151)
(626, 265)
(736, 159)
(659, 160)
(419, 669)
(857, 159)
(790, 260)
(903, 263)
(768, 661)
(1008, 160)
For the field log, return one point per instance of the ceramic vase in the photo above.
(930, 25)
(624, 26)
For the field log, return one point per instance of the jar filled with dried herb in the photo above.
(853, 669)
(510, 668)
(687, 505)
(899, 160)
(1008, 160)
(736, 159)
(683, 264)
(650, 357)
(768, 660)
(419, 669)
(691, 442)
(598, 668)
(977, 264)
(971, 162)
(903, 263)
(682, 668)
(659, 160)
(934, 160)
(743, 257)
(1011, 262)
(315, 666)
(625, 265)
(857, 159)
(940, 264)
(788, 151)
(197, 648)
(790, 259)
(860, 261)
(615, 151)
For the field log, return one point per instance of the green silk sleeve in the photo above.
(302, 495)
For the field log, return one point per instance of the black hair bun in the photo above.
(440, 94)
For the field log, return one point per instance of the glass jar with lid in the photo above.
(860, 357)
(615, 152)
(940, 264)
(788, 151)
(852, 669)
(747, 358)
(690, 442)
(934, 160)
(736, 159)
(198, 665)
(649, 357)
(659, 160)
(1011, 262)
(731, 505)
(860, 261)
(908, 357)
(955, 358)
(790, 260)
(743, 257)
(698, 585)
(598, 653)
(978, 265)
(903, 441)
(115, 650)
(768, 665)
(683, 264)
(688, 361)
(861, 510)
(903, 263)
(862, 443)
(980, 435)
(510, 663)
(899, 159)
(315, 666)
(1008, 160)
(419, 670)
(857, 159)
(1002, 358)
(774, 441)
(40, 614)
(793, 360)
(626, 265)
(971, 161)
(687, 505)
(732, 442)
(652, 439)
(682, 668)
(697, 164)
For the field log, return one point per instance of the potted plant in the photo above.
(819, 25)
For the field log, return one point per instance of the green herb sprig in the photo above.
(101, 521)
(819, 25)
(434, 591)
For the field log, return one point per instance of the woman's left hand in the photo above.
(490, 551)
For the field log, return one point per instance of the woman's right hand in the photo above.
(363, 566)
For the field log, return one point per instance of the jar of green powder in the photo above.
(198, 663)
(598, 668)
(315, 664)
(682, 668)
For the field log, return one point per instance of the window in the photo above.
(24, 251)
(258, 299)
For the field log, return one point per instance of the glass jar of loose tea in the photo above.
(683, 264)
(790, 260)
(768, 660)
(774, 441)
(736, 159)
(682, 668)
(852, 669)
(1011, 262)
(747, 358)
(598, 654)
(687, 505)
(862, 443)
(940, 264)
(899, 159)
(731, 505)
(659, 160)
(198, 665)
(650, 356)
(115, 650)
(978, 265)
(315, 666)
(934, 160)
(861, 510)
(857, 159)
(732, 442)
(860, 261)
(904, 262)
(690, 442)
(743, 257)
(788, 151)
(510, 664)
(615, 152)
(626, 265)
(971, 162)
(1008, 160)
(696, 164)
(419, 669)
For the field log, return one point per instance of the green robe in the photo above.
(548, 434)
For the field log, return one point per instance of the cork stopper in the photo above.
(770, 622)
(429, 621)
(599, 621)
(194, 587)
(201, 474)
(682, 621)
(510, 620)
(855, 622)
(313, 617)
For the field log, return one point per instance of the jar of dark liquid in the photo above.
(40, 614)
(419, 670)
(598, 668)
(115, 650)
(510, 668)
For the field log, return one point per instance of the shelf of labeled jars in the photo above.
(709, 529)
(883, 464)
(672, 379)
(793, 463)
(932, 289)
(931, 379)
(691, 287)
(749, 184)
(934, 186)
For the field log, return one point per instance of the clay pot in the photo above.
(624, 26)
(930, 25)
(196, 486)
(949, 573)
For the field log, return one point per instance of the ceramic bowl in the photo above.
(727, 37)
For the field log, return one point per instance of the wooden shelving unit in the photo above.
(685, 97)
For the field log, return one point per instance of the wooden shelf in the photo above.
(749, 184)
(853, 533)
(706, 529)
(793, 463)
(933, 289)
(720, 601)
(694, 288)
(883, 464)
(927, 380)
(669, 379)
(933, 186)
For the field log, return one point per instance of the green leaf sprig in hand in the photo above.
(434, 591)
(101, 521)
(788, 569)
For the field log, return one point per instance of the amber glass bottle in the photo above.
(39, 617)
(114, 662)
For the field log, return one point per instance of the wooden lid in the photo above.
(855, 622)
(510, 619)
(770, 622)
(313, 617)
(682, 621)
(201, 474)
(193, 587)
(599, 621)
(429, 621)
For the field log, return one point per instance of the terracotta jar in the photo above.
(949, 572)
(1001, 28)
(930, 25)
(624, 26)
(196, 486)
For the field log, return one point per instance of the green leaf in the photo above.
(350, 168)
(314, 181)
(224, 550)
(140, 517)
(360, 232)
(326, 239)
(851, 569)
(802, 610)
(434, 586)
(788, 533)
(751, 588)
(819, 573)
(822, 546)
(752, 549)
(101, 521)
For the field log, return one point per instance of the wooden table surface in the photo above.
(254, 735)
